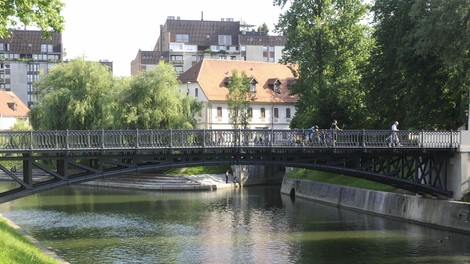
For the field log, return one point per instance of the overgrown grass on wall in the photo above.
(338, 179)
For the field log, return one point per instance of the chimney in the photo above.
(202, 16)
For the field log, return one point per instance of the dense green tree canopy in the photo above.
(153, 100)
(44, 14)
(84, 95)
(74, 95)
(328, 42)
(419, 69)
(239, 99)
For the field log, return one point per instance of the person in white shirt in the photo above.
(394, 141)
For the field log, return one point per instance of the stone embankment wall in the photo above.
(438, 213)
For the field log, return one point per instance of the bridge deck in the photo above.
(411, 160)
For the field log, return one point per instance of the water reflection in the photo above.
(249, 225)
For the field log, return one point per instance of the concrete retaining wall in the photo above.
(439, 213)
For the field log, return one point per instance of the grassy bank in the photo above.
(16, 248)
(338, 179)
(218, 169)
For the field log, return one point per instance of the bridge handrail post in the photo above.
(171, 138)
(204, 137)
(451, 143)
(302, 138)
(31, 139)
(102, 138)
(363, 138)
(422, 139)
(136, 138)
(66, 139)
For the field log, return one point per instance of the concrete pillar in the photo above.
(458, 173)
(257, 175)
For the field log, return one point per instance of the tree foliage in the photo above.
(153, 100)
(238, 99)
(74, 95)
(263, 28)
(330, 46)
(419, 68)
(84, 95)
(45, 14)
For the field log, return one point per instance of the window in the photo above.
(287, 112)
(179, 69)
(196, 92)
(219, 111)
(225, 40)
(253, 86)
(45, 48)
(250, 112)
(33, 67)
(182, 38)
(263, 112)
(277, 86)
(276, 112)
(12, 106)
(176, 46)
(176, 58)
(2, 46)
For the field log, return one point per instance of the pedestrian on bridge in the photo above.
(333, 128)
(226, 176)
(394, 140)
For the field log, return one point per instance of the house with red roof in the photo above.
(11, 109)
(273, 107)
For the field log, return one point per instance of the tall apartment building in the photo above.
(23, 57)
(184, 43)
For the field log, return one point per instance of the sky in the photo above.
(116, 30)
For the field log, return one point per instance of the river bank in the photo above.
(146, 181)
(443, 214)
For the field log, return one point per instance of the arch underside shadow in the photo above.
(418, 171)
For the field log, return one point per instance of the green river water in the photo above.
(249, 225)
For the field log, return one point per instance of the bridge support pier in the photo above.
(459, 168)
(27, 169)
(257, 175)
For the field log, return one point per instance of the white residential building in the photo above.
(273, 107)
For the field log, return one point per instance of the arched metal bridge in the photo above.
(411, 160)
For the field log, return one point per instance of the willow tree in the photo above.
(44, 14)
(239, 98)
(153, 100)
(74, 95)
(328, 42)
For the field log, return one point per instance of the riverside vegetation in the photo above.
(16, 248)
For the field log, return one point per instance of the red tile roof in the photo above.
(12, 106)
(211, 75)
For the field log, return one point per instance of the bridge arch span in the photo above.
(419, 164)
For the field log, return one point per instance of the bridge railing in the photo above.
(219, 138)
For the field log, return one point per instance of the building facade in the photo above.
(24, 56)
(273, 107)
(184, 43)
(11, 109)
